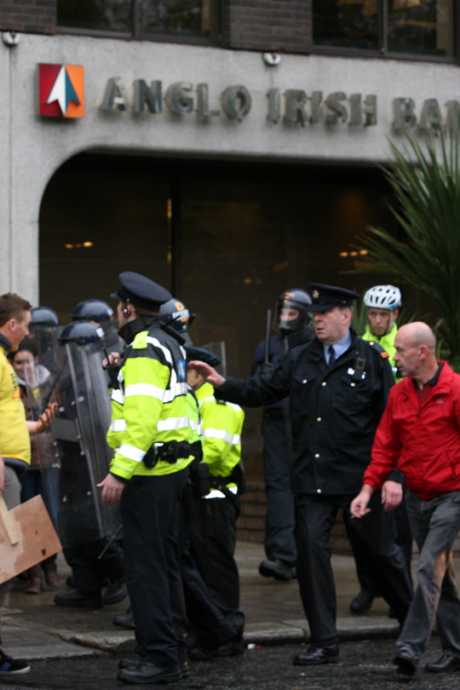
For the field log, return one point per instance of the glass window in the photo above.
(420, 27)
(417, 27)
(189, 17)
(346, 23)
(99, 15)
(178, 16)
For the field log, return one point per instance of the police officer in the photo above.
(98, 572)
(154, 434)
(176, 315)
(383, 304)
(294, 326)
(338, 386)
(221, 426)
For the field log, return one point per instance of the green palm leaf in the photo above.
(425, 179)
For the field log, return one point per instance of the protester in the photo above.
(419, 434)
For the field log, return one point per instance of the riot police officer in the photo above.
(154, 433)
(176, 315)
(294, 326)
(86, 528)
(337, 386)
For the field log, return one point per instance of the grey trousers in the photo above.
(12, 496)
(435, 525)
(12, 490)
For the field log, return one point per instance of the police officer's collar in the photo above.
(5, 343)
(129, 331)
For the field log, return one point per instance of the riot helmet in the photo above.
(92, 310)
(293, 310)
(175, 314)
(80, 333)
(43, 316)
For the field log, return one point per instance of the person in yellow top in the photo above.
(154, 433)
(383, 304)
(213, 516)
(15, 315)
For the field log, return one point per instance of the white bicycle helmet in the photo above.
(383, 297)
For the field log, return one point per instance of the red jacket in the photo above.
(421, 439)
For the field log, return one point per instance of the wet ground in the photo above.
(363, 665)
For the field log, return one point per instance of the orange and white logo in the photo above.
(61, 90)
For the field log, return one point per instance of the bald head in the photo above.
(418, 333)
(416, 351)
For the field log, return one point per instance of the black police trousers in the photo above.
(315, 519)
(280, 516)
(209, 571)
(89, 572)
(150, 511)
(213, 534)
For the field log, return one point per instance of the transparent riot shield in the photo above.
(36, 384)
(81, 426)
(218, 349)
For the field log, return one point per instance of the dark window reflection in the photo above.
(346, 23)
(420, 26)
(194, 17)
(177, 16)
(99, 15)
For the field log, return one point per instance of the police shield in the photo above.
(81, 425)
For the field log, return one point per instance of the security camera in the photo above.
(271, 59)
(10, 38)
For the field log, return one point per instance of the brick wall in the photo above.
(270, 25)
(28, 16)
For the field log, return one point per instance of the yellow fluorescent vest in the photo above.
(14, 435)
(387, 341)
(221, 427)
(150, 406)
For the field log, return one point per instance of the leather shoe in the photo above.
(148, 673)
(315, 656)
(446, 662)
(362, 602)
(406, 662)
(277, 569)
(72, 598)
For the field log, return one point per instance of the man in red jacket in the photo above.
(419, 434)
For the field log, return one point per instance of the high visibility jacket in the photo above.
(14, 435)
(386, 341)
(153, 405)
(221, 427)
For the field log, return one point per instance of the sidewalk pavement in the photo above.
(34, 628)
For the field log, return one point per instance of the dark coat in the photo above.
(334, 411)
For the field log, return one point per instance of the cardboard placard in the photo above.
(27, 537)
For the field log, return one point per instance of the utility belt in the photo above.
(171, 452)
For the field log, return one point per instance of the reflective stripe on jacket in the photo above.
(221, 427)
(420, 437)
(153, 404)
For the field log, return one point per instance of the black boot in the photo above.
(77, 600)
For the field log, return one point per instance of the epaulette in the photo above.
(378, 348)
